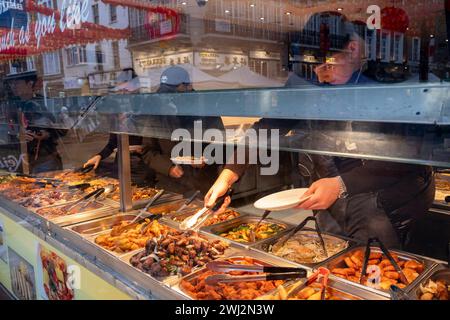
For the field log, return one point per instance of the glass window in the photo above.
(95, 14)
(112, 13)
(76, 55)
(51, 63)
(385, 47)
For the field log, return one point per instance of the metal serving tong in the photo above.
(137, 220)
(385, 251)
(198, 218)
(321, 274)
(84, 170)
(106, 190)
(38, 180)
(252, 230)
(265, 215)
(85, 198)
(188, 202)
(398, 294)
(271, 273)
(75, 187)
(300, 227)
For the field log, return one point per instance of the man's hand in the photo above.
(324, 193)
(95, 160)
(176, 172)
(29, 136)
(219, 188)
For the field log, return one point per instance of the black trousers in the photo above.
(361, 217)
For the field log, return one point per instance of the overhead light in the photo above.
(183, 3)
(340, 9)
(262, 18)
(288, 13)
(446, 40)
(227, 11)
(431, 35)
(252, 5)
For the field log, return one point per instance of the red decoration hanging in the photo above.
(394, 19)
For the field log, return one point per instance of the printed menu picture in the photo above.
(22, 276)
(52, 276)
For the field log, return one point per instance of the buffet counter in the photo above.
(49, 250)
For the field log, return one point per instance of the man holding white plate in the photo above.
(352, 197)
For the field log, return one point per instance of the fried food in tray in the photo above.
(177, 253)
(15, 189)
(435, 290)
(196, 287)
(48, 198)
(59, 211)
(241, 233)
(170, 208)
(311, 292)
(221, 217)
(305, 247)
(131, 239)
(138, 194)
(351, 270)
(214, 219)
(71, 177)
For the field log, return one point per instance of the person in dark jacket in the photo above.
(352, 197)
(158, 151)
(41, 138)
(141, 174)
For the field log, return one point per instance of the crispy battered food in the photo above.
(439, 290)
(131, 239)
(353, 266)
(177, 253)
(58, 211)
(198, 289)
(306, 248)
(101, 183)
(311, 292)
(242, 233)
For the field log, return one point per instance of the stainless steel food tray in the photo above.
(103, 226)
(174, 280)
(166, 197)
(199, 271)
(89, 228)
(217, 229)
(170, 219)
(343, 290)
(106, 210)
(338, 262)
(264, 246)
(440, 271)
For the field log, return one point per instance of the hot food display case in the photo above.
(101, 223)
(112, 133)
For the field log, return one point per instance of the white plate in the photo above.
(189, 161)
(281, 200)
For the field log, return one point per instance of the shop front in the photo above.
(224, 150)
